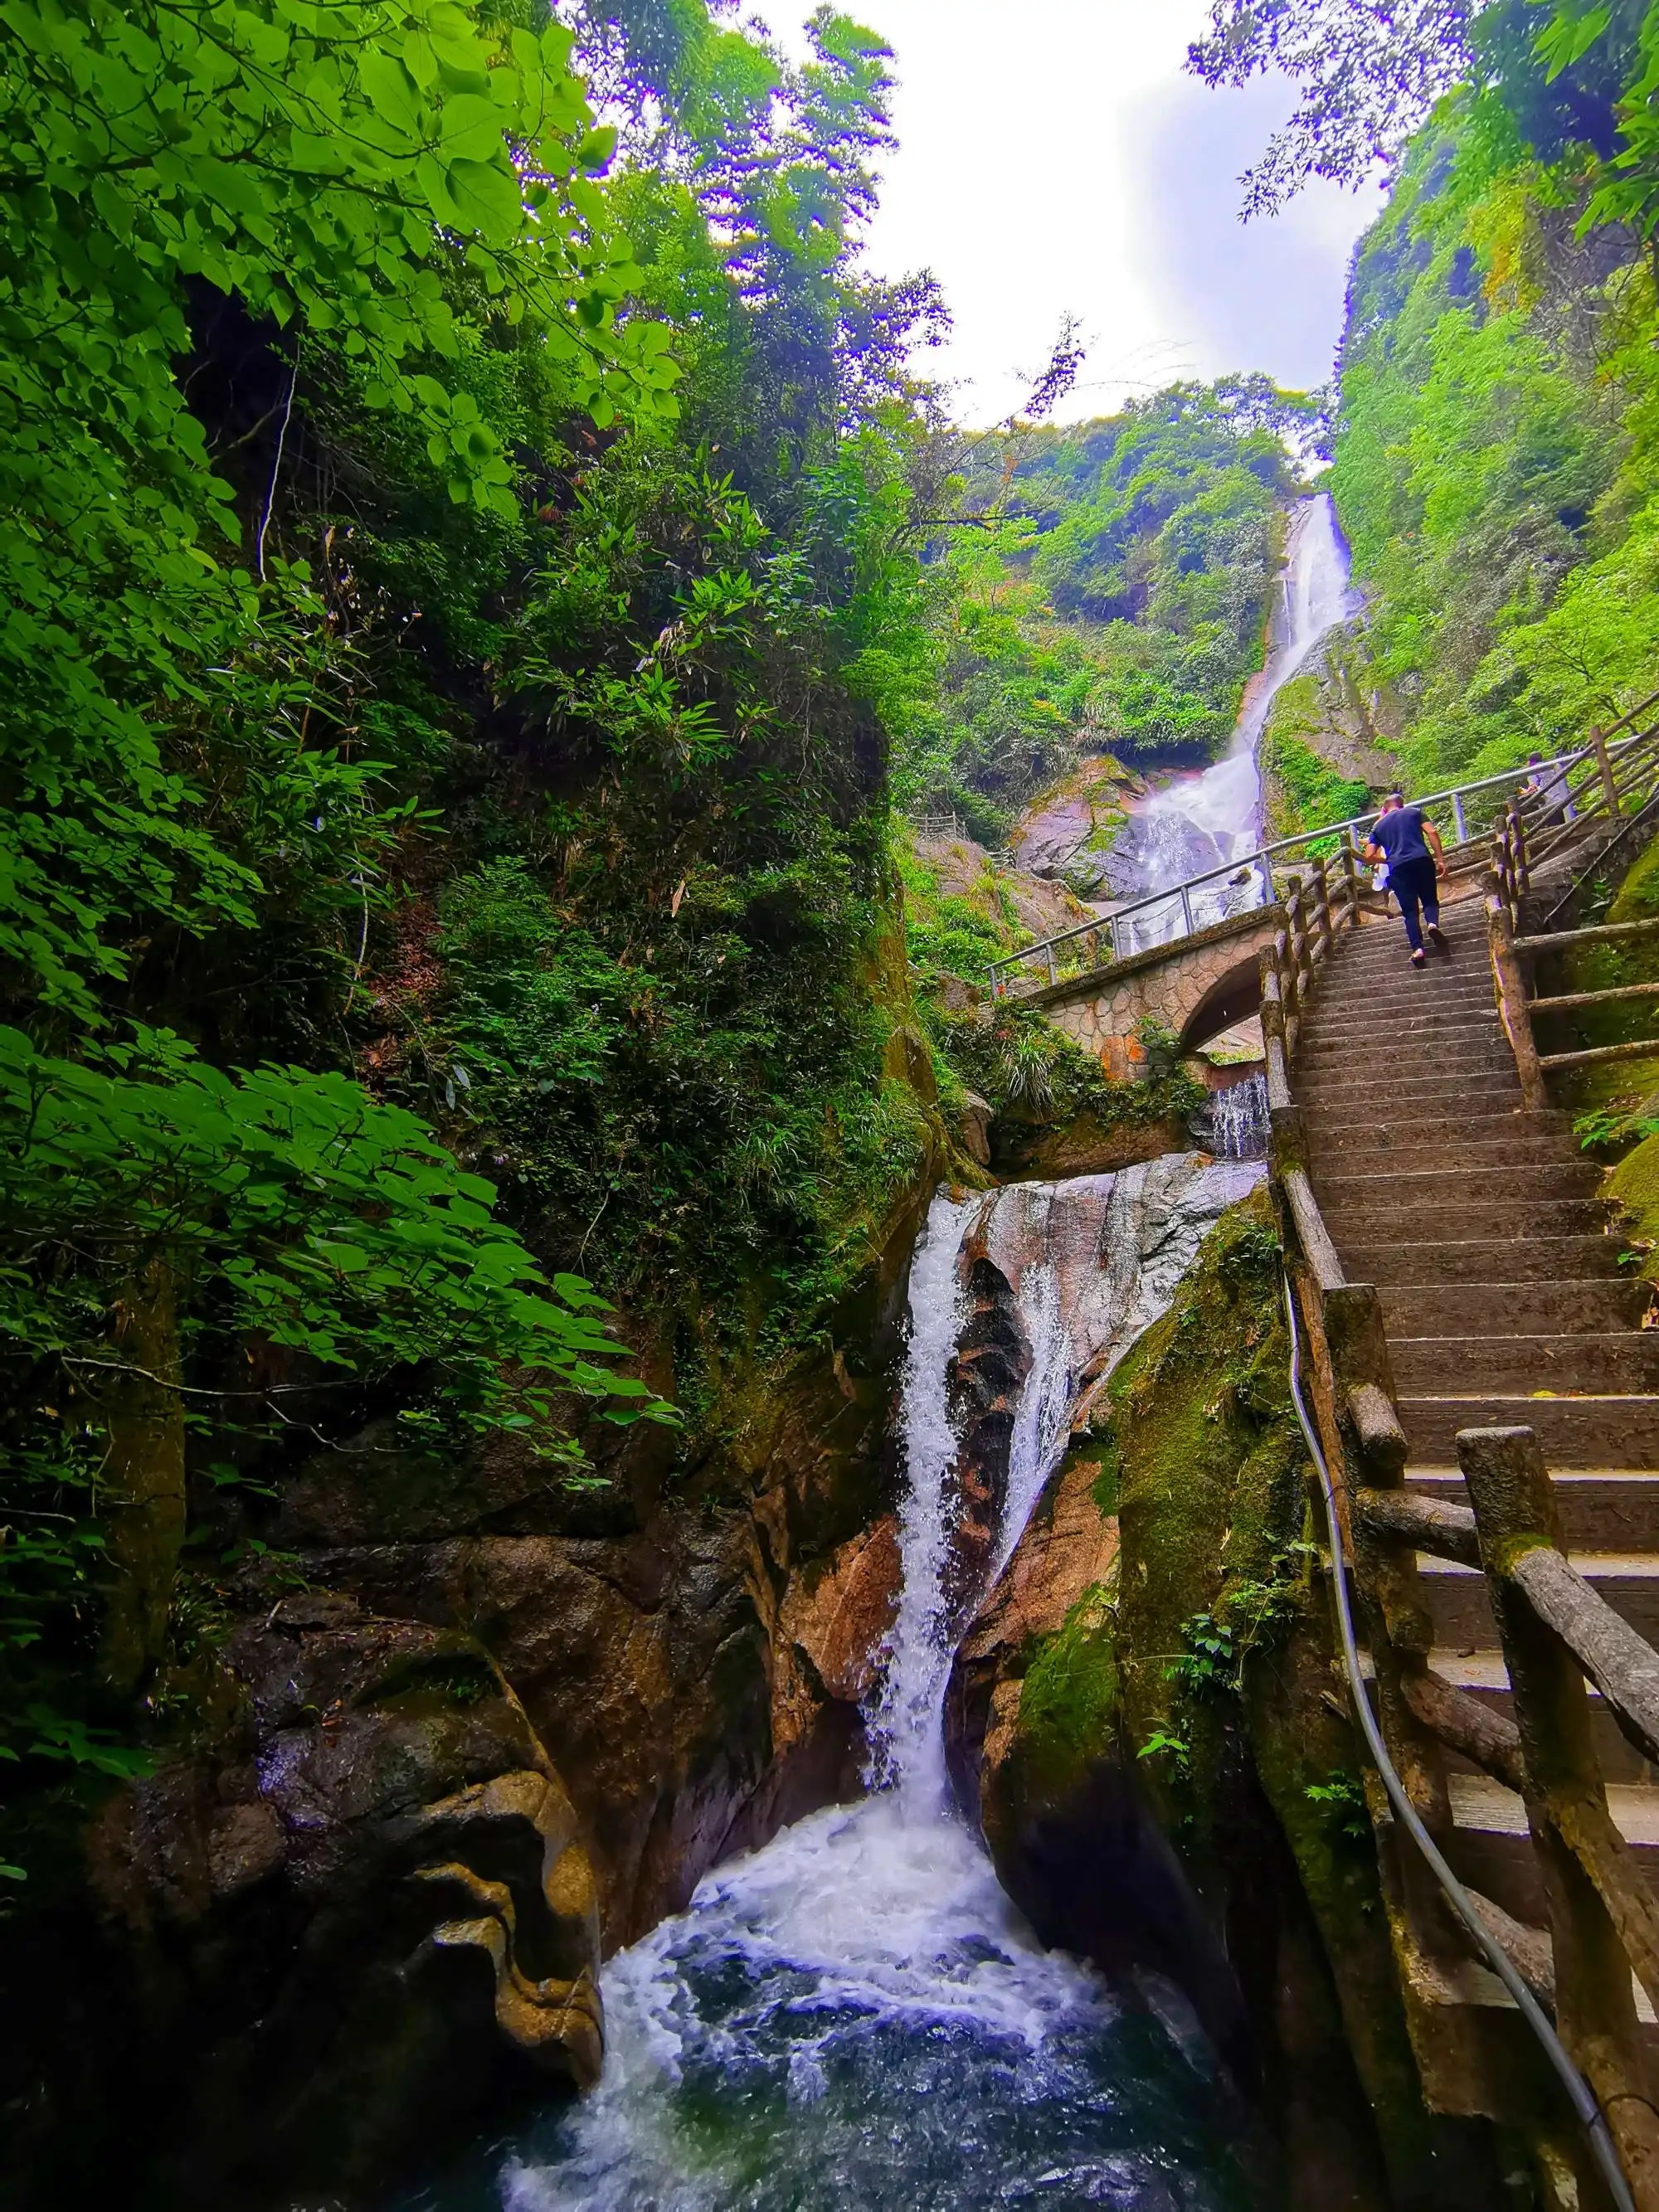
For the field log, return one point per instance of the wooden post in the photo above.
(1523, 862)
(1350, 876)
(1295, 928)
(1273, 1029)
(1511, 988)
(1595, 2010)
(1604, 762)
(1321, 906)
(1290, 994)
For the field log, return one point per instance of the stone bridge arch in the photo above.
(1197, 986)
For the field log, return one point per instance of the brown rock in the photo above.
(838, 1614)
(974, 1128)
(349, 1942)
(1069, 1546)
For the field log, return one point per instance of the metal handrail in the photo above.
(1260, 859)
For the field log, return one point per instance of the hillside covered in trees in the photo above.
(1107, 593)
(1495, 435)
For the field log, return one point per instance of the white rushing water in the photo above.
(907, 1751)
(1239, 1120)
(1207, 820)
(855, 2018)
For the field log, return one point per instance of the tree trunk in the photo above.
(145, 1472)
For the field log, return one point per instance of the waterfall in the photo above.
(855, 2014)
(1239, 1125)
(1087, 1264)
(906, 1749)
(1203, 821)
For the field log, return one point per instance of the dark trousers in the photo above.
(1414, 884)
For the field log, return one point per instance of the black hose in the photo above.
(1577, 2090)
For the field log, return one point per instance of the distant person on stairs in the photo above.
(1410, 845)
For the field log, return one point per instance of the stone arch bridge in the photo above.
(1197, 986)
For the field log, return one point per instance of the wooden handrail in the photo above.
(1603, 1919)
(1428, 1524)
(1599, 932)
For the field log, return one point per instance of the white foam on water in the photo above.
(848, 1927)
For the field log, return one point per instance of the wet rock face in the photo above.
(992, 1362)
(371, 1926)
(1069, 1547)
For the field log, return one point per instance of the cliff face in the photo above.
(1144, 1716)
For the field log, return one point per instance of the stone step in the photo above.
(1466, 1044)
(1410, 1007)
(1491, 1847)
(1554, 1308)
(1362, 1032)
(1465, 1151)
(1365, 1092)
(1627, 1362)
(1619, 1431)
(1402, 995)
(1521, 1184)
(1485, 1123)
(1602, 1508)
(1361, 1228)
(1459, 1599)
(1470, 1039)
(1390, 976)
(1441, 1259)
(1482, 1675)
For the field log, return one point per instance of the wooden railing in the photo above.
(1555, 1631)
(1623, 791)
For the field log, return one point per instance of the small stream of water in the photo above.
(855, 2019)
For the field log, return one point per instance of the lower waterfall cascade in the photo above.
(855, 2016)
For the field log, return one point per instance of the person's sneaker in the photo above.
(1420, 960)
(1438, 938)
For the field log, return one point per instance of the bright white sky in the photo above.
(1055, 155)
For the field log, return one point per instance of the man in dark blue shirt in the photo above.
(1411, 846)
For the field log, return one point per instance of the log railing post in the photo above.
(1512, 1006)
(1522, 864)
(1290, 994)
(1604, 762)
(1596, 2009)
(1350, 876)
(1296, 929)
(1322, 910)
(1273, 1029)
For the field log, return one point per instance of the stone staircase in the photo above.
(1504, 1301)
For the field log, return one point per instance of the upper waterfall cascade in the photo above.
(1201, 821)
(855, 2015)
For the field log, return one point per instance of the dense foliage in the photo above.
(1112, 596)
(451, 553)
